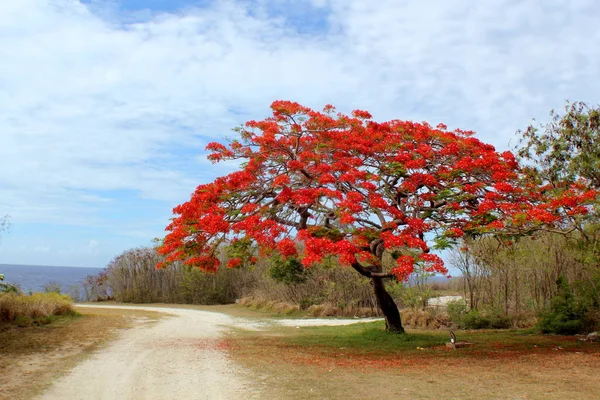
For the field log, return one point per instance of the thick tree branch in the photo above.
(366, 271)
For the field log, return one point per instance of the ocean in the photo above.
(35, 278)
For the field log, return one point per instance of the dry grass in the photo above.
(411, 318)
(31, 357)
(269, 306)
(37, 308)
(315, 310)
(427, 319)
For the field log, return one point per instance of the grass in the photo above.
(372, 339)
(36, 309)
(33, 356)
(364, 361)
(363, 338)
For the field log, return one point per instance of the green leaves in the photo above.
(443, 242)
(568, 148)
(289, 271)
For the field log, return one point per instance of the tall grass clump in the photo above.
(34, 309)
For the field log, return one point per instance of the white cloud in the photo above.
(91, 103)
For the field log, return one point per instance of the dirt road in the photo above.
(177, 357)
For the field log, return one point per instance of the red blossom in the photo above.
(281, 180)
(287, 247)
(339, 185)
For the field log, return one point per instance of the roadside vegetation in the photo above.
(35, 309)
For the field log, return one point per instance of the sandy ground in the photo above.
(177, 357)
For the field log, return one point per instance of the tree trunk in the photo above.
(393, 322)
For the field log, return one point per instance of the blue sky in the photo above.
(106, 105)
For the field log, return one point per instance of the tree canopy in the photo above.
(315, 185)
(567, 149)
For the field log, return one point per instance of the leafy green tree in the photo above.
(564, 154)
(567, 149)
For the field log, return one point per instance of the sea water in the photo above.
(39, 278)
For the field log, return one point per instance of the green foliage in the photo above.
(457, 310)
(365, 337)
(589, 292)
(288, 271)
(8, 287)
(306, 302)
(475, 319)
(329, 233)
(416, 292)
(443, 242)
(241, 249)
(415, 296)
(568, 147)
(566, 315)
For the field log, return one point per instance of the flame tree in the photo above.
(377, 196)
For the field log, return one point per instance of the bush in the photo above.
(474, 319)
(429, 319)
(566, 316)
(7, 287)
(494, 320)
(288, 271)
(457, 310)
(38, 308)
(592, 319)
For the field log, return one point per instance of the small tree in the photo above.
(376, 196)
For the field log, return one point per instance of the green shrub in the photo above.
(475, 319)
(457, 310)
(288, 271)
(492, 320)
(566, 316)
(499, 321)
(7, 287)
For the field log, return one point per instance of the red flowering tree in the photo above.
(377, 196)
